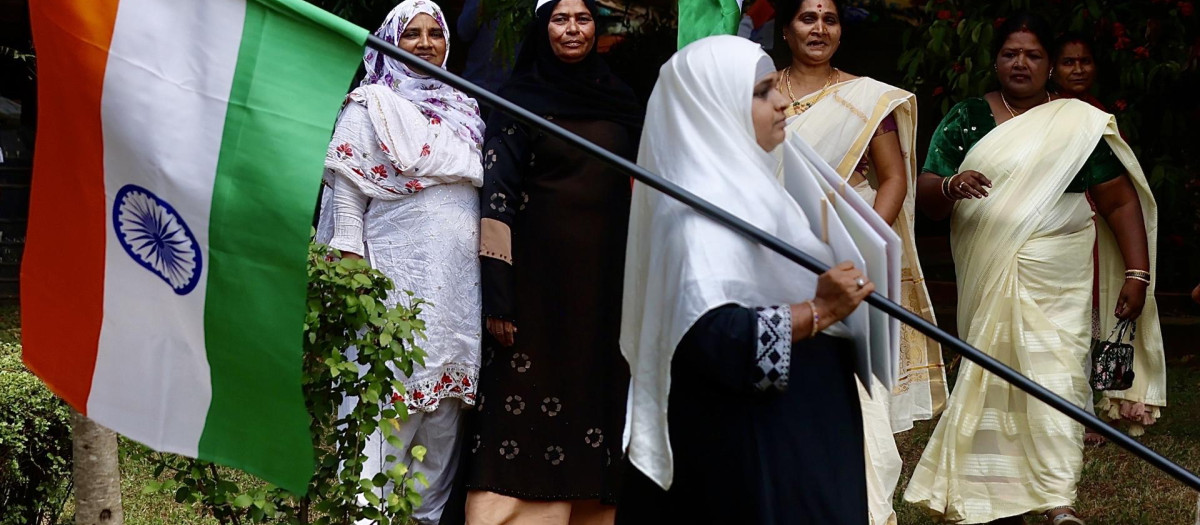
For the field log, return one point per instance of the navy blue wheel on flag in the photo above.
(156, 237)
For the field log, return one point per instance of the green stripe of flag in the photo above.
(294, 66)
(703, 18)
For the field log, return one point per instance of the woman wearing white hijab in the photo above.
(738, 342)
(402, 172)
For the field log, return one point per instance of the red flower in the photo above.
(380, 171)
(1120, 104)
(446, 379)
(999, 22)
(414, 185)
(435, 120)
(944, 14)
(1185, 8)
(397, 398)
(958, 67)
(938, 90)
(345, 150)
(1141, 52)
(358, 172)
(466, 382)
(384, 147)
(1122, 43)
(418, 395)
(425, 150)
(1118, 29)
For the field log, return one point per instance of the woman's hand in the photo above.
(1131, 300)
(504, 331)
(839, 292)
(969, 184)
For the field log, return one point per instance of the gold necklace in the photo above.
(801, 107)
(1010, 109)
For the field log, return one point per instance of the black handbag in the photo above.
(1112, 360)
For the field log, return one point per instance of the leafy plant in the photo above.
(35, 445)
(346, 309)
(1148, 56)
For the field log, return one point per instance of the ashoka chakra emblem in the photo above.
(154, 234)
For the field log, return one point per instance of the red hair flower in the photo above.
(1141, 52)
(1185, 8)
(1121, 104)
(938, 90)
(944, 14)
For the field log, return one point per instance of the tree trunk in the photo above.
(97, 473)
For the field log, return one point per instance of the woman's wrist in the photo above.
(946, 182)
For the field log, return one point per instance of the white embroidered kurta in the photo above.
(404, 196)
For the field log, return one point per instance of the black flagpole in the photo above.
(742, 227)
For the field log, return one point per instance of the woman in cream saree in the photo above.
(865, 130)
(1022, 234)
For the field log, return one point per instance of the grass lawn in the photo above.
(1117, 489)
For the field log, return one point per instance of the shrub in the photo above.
(35, 445)
(345, 308)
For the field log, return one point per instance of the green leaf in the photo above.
(362, 279)
(418, 452)
(243, 501)
(385, 339)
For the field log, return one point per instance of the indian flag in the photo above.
(704, 18)
(179, 151)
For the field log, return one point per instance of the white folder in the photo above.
(877, 246)
(800, 178)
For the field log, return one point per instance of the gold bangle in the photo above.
(1143, 273)
(1138, 278)
(816, 318)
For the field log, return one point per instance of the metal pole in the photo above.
(742, 227)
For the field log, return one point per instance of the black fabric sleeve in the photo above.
(738, 349)
(505, 157)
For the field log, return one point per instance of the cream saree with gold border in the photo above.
(1023, 259)
(839, 125)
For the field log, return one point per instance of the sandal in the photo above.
(1062, 516)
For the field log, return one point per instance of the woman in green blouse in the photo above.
(1011, 169)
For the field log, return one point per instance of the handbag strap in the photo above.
(1123, 326)
(1119, 330)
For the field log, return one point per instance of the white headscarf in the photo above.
(440, 103)
(679, 265)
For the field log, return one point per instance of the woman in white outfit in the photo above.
(402, 173)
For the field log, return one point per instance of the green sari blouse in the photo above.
(969, 120)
